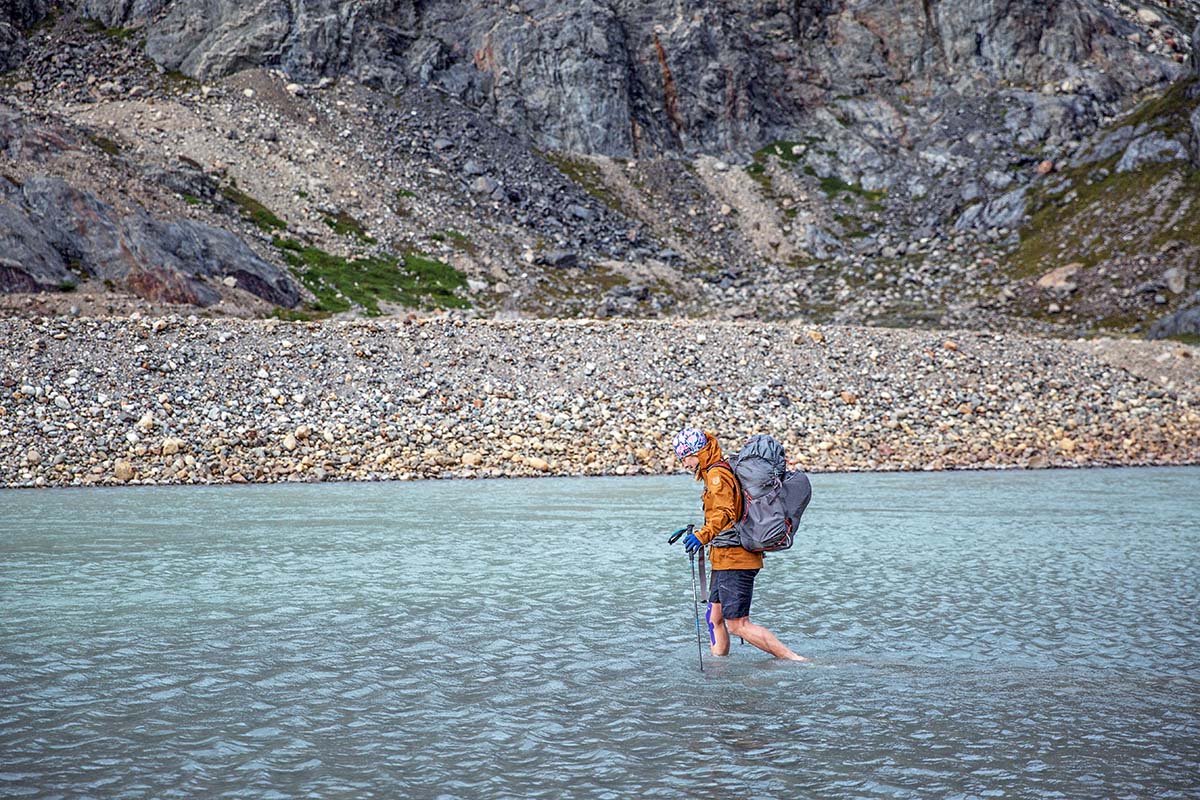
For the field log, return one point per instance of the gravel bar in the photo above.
(184, 400)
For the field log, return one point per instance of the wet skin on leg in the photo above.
(718, 636)
(758, 636)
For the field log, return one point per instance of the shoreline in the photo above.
(190, 401)
(182, 486)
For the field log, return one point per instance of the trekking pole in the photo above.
(695, 598)
(696, 608)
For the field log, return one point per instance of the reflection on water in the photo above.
(973, 635)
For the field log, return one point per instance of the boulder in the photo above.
(29, 263)
(1175, 280)
(1153, 148)
(562, 259)
(123, 471)
(1185, 321)
(1195, 140)
(47, 223)
(12, 47)
(1149, 17)
(1195, 57)
(484, 185)
(1006, 211)
(20, 140)
(1059, 279)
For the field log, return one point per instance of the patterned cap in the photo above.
(688, 442)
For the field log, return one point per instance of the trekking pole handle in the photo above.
(679, 533)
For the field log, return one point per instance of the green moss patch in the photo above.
(96, 26)
(587, 175)
(1104, 217)
(833, 186)
(1186, 338)
(174, 79)
(105, 144)
(344, 224)
(783, 150)
(252, 210)
(458, 241)
(1091, 208)
(341, 283)
(1168, 112)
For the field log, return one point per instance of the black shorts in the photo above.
(733, 589)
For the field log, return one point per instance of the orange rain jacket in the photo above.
(721, 508)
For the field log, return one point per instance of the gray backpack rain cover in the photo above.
(773, 497)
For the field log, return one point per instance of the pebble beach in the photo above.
(185, 400)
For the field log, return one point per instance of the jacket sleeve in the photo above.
(720, 504)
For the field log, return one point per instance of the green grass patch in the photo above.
(459, 241)
(1186, 338)
(587, 175)
(852, 226)
(833, 186)
(292, 315)
(252, 210)
(192, 200)
(561, 292)
(96, 26)
(783, 150)
(403, 194)
(67, 285)
(174, 79)
(1169, 112)
(105, 144)
(341, 283)
(1087, 229)
(344, 224)
(757, 169)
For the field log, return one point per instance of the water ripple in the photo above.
(326, 641)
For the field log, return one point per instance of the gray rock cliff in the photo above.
(626, 78)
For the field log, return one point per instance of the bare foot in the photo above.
(794, 657)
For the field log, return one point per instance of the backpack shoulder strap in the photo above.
(739, 500)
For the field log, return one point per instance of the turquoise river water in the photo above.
(1003, 634)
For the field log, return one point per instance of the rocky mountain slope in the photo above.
(877, 162)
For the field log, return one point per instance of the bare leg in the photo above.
(720, 636)
(760, 637)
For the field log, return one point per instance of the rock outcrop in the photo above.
(15, 16)
(1184, 322)
(629, 78)
(53, 235)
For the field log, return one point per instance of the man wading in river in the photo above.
(733, 567)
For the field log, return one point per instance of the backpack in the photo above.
(773, 498)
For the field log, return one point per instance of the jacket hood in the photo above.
(709, 454)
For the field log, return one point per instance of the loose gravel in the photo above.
(183, 400)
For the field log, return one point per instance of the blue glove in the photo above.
(691, 543)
